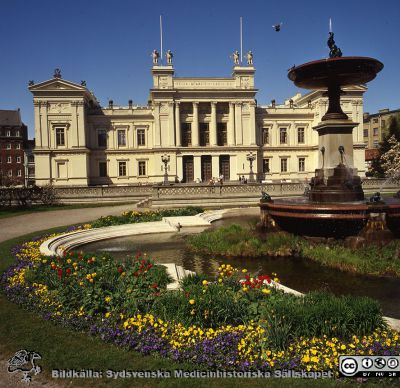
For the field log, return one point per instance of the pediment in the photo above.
(57, 85)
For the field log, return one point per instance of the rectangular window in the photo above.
(8, 147)
(19, 173)
(222, 135)
(204, 134)
(8, 134)
(9, 160)
(300, 135)
(60, 137)
(61, 170)
(376, 143)
(375, 131)
(18, 146)
(17, 133)
(31, 159)
(18, 159)
(283, 135)
(283, 165)
(141, 137)
(383, 123)
(186, 131)
(31, 171)
(375, 120)
(302, 164)
(142, 168)
(9, 173)
(121, 137)
(266, 166)
(365, 132)
(102, 169)
(102, 138)
(121, 168)
(265, 136)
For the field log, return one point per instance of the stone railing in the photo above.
(226, 190)
(378, 183)
(201, 190)
(102, 192)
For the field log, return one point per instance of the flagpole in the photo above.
(241, 40)
(161, 38)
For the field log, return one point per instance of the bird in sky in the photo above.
(277, 26)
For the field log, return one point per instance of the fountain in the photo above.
(335, 206)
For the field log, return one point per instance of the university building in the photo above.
(207, 126)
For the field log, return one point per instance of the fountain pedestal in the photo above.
(335, 181)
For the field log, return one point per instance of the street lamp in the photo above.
(165, 159)
(251, 158)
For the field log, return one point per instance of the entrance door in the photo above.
(224, 168)
(188, 173)
(206, 170)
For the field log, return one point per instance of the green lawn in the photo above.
(16, 211)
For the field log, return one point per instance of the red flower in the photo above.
(154, 285)
(68, 271)
(120, 269)
(59, 271)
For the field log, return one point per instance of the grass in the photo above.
(235, 240)
(16, 211)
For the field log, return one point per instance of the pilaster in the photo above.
(195, 125)
(197, 167)
(213, 127)
(178, 137)
(157, 131)
(231, 124)
(238, 123)
(171, 124)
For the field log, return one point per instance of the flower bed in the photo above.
(235, 321)
(132, 217)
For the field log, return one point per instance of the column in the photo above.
(195, 125)
(81, 124)
(231, 126)
(38, 125)
(178, 137)
(157, 139)
(252, 123)
(238, 123)
(179, 167)
(171, 125)
(196, 167)
(215, 166)
(213, 127)
(47, 131)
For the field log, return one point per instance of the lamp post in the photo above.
(251, 158)
(165, 159)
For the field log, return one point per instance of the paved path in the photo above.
(12, 227)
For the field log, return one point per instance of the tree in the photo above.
(390, 138)
(391, 159)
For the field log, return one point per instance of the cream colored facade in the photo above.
(207, 126)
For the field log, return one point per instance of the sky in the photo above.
(109, 43)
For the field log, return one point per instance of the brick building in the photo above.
(13, 135)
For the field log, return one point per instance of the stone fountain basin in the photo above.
(335, 71)
(300, 216)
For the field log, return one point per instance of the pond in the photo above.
(299, 274)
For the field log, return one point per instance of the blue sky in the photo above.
(108, 44)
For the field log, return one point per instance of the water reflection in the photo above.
(302, 275)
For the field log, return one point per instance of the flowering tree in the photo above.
(392, 131)
(391, 158)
